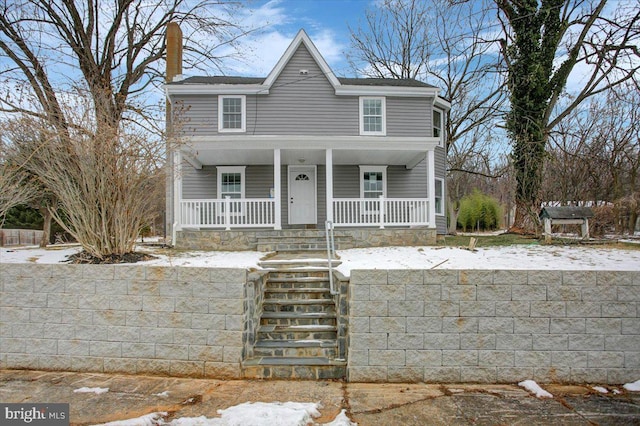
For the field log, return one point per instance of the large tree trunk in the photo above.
(526, 219)
(453, 217)
(46, 227)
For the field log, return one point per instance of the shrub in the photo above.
(479, 211)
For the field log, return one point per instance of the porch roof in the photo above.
(407, 151)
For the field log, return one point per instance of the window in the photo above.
(439, 198)
(372, 116)
(231, 113)
(231, 184)
(373, 184)
(437, 126)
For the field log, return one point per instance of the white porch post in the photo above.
(277, 190)
(431, 187)
(329, 183)
(177, 195)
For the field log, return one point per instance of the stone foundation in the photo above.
(302, 239)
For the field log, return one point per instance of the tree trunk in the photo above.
(453, 217)
(46, 227)
(526, 219)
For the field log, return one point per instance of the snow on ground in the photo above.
(545, 257)
(535, 389)
(246, 414)
(97, 391)
(633, 387)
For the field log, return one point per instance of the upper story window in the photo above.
(232, 113)
(373, 116)
(438, 126)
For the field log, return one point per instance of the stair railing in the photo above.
(331, 251)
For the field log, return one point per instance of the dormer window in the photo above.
(232, 113)
(372, 116)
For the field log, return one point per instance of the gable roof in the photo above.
(405, 82)
(301, 38)
(222, 79)
(342, 86)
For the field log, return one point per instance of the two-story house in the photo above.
(279, 156)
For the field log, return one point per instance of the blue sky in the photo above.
(326, 21)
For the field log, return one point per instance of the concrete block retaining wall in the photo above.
(122, 319)
(494, 326)
(403, 325)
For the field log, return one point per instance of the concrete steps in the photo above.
(297, 334)
(301, 240)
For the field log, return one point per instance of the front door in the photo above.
(302, 195)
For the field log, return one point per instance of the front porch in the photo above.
(256, 190)
(236, 213)
(302, 239)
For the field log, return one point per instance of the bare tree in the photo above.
(106, 185)
(545, 41)
(594, 156)
(445, 44)
(15, 188)
(114, 52)
(62, 57)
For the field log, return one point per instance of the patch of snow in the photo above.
(342, 420)
(152, 419)
(633, 387)
(97, 391)
(270, 414)
(535, 389)
(522, 257)
(162, 394)
(600, 389)
(247, 414)
(616, 392)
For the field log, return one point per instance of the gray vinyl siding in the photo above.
(303, 105)
(259, 181)
(203, 183)
(401, 182)
(408, 116)
(198, 184)
(346, 182)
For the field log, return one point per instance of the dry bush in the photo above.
(604, 220)
(106, 182)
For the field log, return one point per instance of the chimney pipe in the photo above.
(174, 51)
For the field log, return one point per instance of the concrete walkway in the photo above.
(367, 404)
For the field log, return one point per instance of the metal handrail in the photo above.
(331, 251)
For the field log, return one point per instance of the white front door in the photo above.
(302, 195)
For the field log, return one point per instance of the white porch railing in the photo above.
(228, 213)
(367, 212)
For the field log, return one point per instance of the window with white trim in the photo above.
(373, 184)
(232, 113)
(373, 116)
(439, 196)
(231, 182)
(437, 126)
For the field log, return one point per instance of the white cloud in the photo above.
(277, 27)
